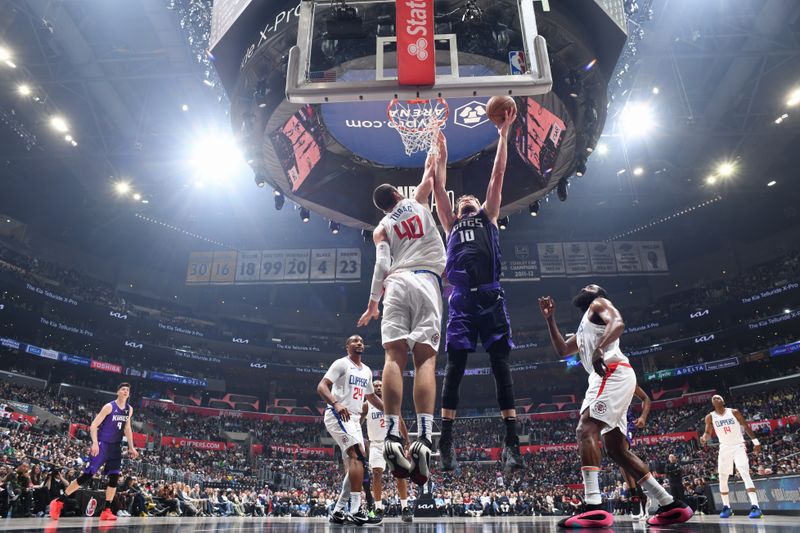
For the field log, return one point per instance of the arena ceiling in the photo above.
(120, 73)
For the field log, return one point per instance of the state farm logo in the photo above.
(419, 49)
(471, 115)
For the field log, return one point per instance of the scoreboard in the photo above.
(318, 265)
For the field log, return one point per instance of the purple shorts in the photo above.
(631, 433)
(474, 314)
(110, 455)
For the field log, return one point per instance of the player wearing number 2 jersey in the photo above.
(408, 265)
(109, 426)
(477, 305)
(345, 387)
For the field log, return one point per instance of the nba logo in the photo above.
(516, 60)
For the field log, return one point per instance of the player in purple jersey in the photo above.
(639, 500)
(107, 429)
(477, 305)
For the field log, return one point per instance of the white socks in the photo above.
(378, 504)
(403, 504)
(655, 491)
(394, 425)
(344, 494)
(753, 497)
(425, 425)
(726, 499)
(591, 485)
(355, 502)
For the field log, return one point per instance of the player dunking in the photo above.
(728, 425)
(345, 387)
(107, 429)
(376, 433)
(477, 306)
(612, 383)
(409, 261)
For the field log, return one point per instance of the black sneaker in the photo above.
(337, 517)
(407, 515)
(394, 454)
(358, 519)
(512, 459)
(447, 456)
(421, 457)
(375, 516)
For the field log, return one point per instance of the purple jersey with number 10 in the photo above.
(112, 428)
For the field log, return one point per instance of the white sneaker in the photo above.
(394, 454)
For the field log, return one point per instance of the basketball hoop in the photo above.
(418, 122)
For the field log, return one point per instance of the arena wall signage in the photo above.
(776, 494)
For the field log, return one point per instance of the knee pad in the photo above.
(503, 382)
(83, 479)
(113, 479)
(453, 373)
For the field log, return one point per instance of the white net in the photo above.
(418, 122)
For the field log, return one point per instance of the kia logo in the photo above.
(239, 340)
(118, 315)
(131, 344)
(698, 314)
(258, 365)
(425, 506)
(704, 338)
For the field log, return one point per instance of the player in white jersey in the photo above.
(612, 383)
(345, 387)
(409, 261)
(728, 424)
(376, 435)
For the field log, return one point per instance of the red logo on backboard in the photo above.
(419, 49)
(415, 57)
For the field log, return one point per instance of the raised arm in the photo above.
(383, 261)
(562, 347)
(748, 430)
(444, 209)
(494, 192)
(426, 184)
(642, 395)
(709, 431)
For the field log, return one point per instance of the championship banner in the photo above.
(576, 257)
(522, 265)
(601, 256)
(551, 259)
(652, 256)
(628, 258)
(416, 55)
(179, 442)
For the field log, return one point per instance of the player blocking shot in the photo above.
(612, 383)
(345, 387)
(728, 425)
(477, 306)
(376, 434)
(109, 426)
(409, 261)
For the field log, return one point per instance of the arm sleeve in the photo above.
(383, 260)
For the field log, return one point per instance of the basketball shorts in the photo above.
(473, 314)
(345, 434)
(609, 397)
(730, 456)
(376, 459)
(412, 309)
(109, 458)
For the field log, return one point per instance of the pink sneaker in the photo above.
(676, 512)
(592, 516)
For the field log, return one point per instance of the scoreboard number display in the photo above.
(324, 265)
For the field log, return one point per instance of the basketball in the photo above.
(497, 107)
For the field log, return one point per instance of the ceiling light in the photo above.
(771, 183)
(137, 196)
(638, 171)
(24, 90)
(580, 167)
(68, 138)
(533, 209)
(122, 187)
(5, 54)
(794, 97)
(305, 214)
(637, 119)
(145, 201)
(726, 169)
(260, 180)
(214, 156)
(620, 172)
(562, 189)
(590, 64)
(711, 180)
(279, 200)
(59, 124)
(184, 107)
(502, 223)
(787, 311)
(334, 226)
(656, 90)
(602, 148)
(74, 142)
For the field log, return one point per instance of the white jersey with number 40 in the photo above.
(376, 424)
(727, 428)
(414, 239)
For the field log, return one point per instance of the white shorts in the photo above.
(376, 459)
(608, 398)
(733, 455)
(345, 434)
(412, 309)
